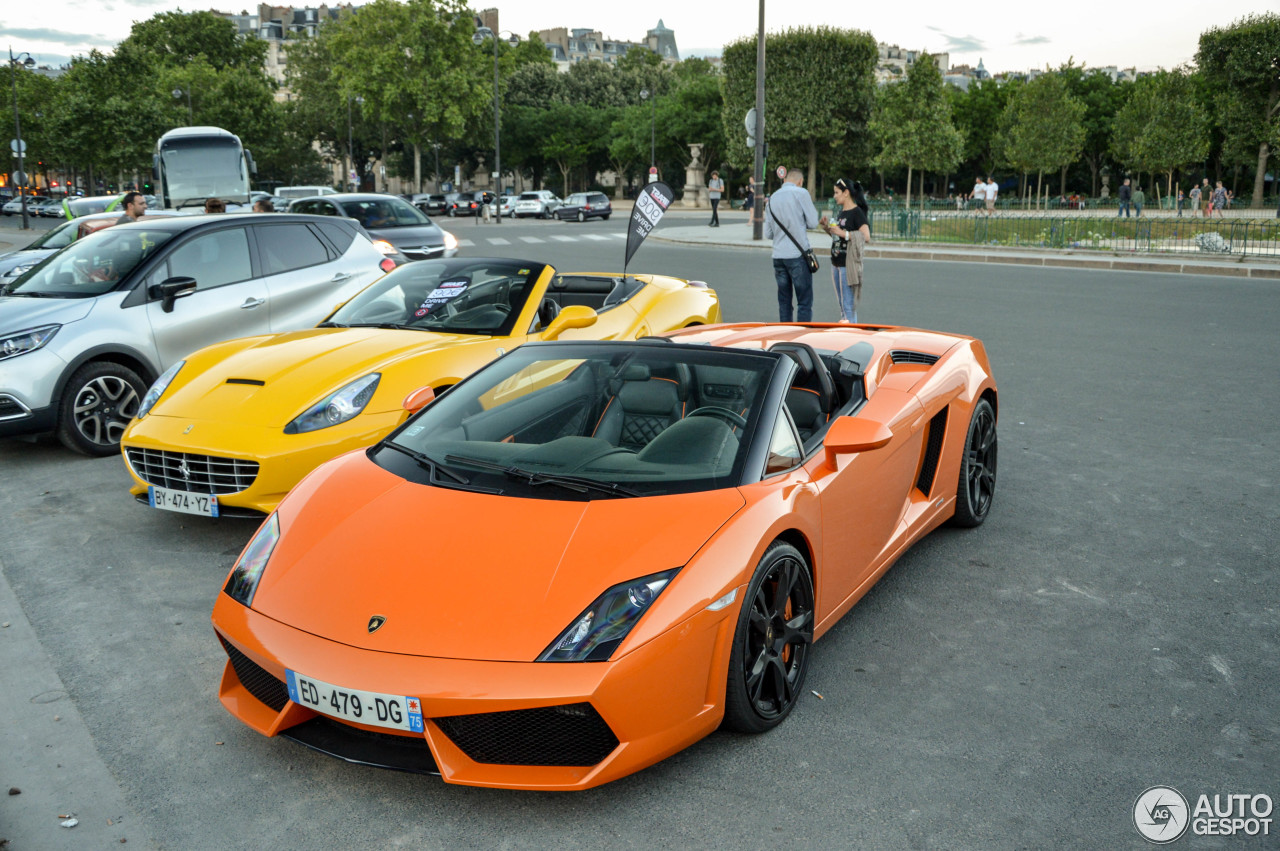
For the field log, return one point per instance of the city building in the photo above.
(894, 62)
(568, 46)
(277, 24)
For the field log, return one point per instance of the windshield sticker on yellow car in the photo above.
(523, 272)
(446, 291)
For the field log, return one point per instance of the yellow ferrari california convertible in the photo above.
(228, 430)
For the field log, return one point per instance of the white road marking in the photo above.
(596, 237)
(497, 240)
(565, 238)
(531, 239)
(466, 243)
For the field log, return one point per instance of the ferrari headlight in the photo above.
(599, 630)
(243, 581)
(26, 341)
(157, 389)
(337, 408)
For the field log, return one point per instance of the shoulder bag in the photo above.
(807, 253)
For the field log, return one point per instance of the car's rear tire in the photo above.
(582, 217)
(976, 488)
(770, 655)
(96, 406)
(606, 216)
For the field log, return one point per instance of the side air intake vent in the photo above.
(932, 451)
(903, 356)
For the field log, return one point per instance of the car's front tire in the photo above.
(96, 407)
(770, 655)
(977, 486)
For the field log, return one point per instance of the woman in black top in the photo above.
(849, 233)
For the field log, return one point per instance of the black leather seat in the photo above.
(811, 397)
(640, 408)
(547, 311)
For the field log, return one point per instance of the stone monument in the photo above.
(695, 180)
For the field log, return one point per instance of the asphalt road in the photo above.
(1112, 627)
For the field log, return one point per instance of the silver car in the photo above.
(86, 331)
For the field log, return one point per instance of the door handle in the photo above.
(340, 276)
(250, 303)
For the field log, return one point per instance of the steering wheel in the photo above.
(725, 414)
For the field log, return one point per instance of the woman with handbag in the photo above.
(850, 232)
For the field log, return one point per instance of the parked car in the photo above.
(396, 226)
(468, 203)
(505, 206)
(585, 205)
(292, 192)
(85, 332)
(426, 323)
(15, 264)
(542, 203)
(51, 209)
(431, 204)
(14, 206)
(655, 532)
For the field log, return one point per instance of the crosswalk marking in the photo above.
(466, 243)
(596, 237)
(618, 235)
(532, 239)
(565, 238)
(497, 240)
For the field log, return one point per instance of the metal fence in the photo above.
(1163, 235)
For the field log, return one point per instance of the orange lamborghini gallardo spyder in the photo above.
(589, 555)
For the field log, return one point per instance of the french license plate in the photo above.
(188, 503)
(367, 707)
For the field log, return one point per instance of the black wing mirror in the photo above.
(170, 290)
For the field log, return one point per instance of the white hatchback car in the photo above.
(85, 332)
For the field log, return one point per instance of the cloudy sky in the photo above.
(1006, 35)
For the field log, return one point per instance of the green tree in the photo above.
(1042, 128)
(175, 38)
(1161, 129)
(819, 92)
(1242, 62)
(912, 123)
(1102, 98)
(976, 114)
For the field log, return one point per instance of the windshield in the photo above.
(454, 296)
(584, 420)
(91, 266)
(60, 237)
(385, 213)
(200, 168)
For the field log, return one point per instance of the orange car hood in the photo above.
(464, 575)
(295, 371)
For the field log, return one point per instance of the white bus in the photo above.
(193, 164)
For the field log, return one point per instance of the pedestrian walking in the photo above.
(1139, 200)
(790, 214)
(749, 200)
(1181, 200)
(992, 191)
(979, 193)
(1206, 197)
(1219, 200)
(134, 206)
(715, 188)
(1125, 195)
(850, 233)
(1194, 197)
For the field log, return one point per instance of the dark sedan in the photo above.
(431, 204)
(469, 203)
(395, 225)
(585, 205)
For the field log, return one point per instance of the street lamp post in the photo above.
(177, 93)
(14, 62)
(480, 35)
(351, 151)
(653, 122)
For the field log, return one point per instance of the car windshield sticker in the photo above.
(446, 291)
(523, 272)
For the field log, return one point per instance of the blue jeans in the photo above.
(844, 295)
(793, 274)
(1124, 210)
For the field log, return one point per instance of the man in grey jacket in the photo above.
(792, 208)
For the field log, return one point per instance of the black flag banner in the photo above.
(651, 203)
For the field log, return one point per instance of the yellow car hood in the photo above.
(270, 380)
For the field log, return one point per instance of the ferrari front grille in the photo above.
(573, 735)
(193, 473)
(266, 688)
(904, 356)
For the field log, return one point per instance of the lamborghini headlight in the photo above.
(337, 407)
(26, 341)
(599, 630)
(157, 389)
(243, 581)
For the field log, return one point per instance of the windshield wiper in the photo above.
(332, 325)
(573, 483)
(425, 461)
